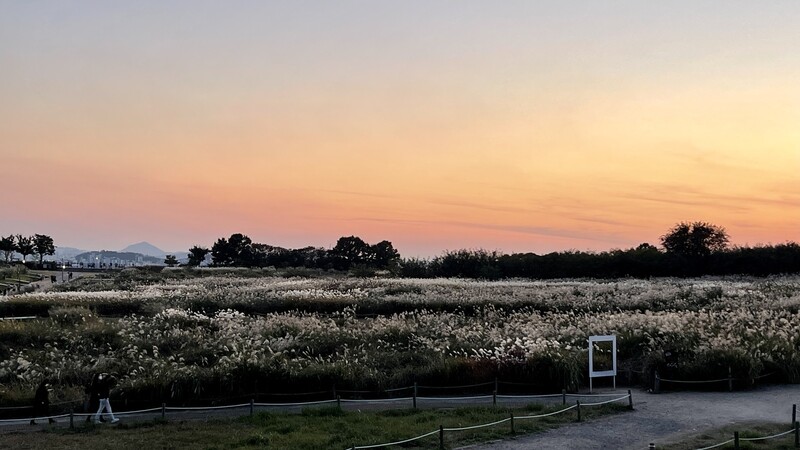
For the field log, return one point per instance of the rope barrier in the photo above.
(483, 425)
(717, 445)
(376, 400)
(606, 402)
(126, 413)
(519, 384)
(28, 419)
(320, 402)
(767, 437)
(10, 421)
(698, 381)
(488, 383)
(422, 436)
(720, 380)
(588, 395)
(473, 427)
(400, 389)
(196, 408)
(293, 393)
(529, 396)
(475, 397)
(123, 413)
(548, 414)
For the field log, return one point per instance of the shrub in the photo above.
(69, 315)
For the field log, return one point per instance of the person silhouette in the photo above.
(92, 400)
(104, 384)
(41, 402)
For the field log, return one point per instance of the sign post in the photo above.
(603, 373)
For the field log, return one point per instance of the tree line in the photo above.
(349, 253)
(688, 249)
(38, 244)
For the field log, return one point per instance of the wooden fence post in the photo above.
(252, 406)
(630, 400)
(735, 440)
(794, 413)
(494, 398)
(657, 384)
(652, 446)
(441, 437)
(563, 397)
(579, 410)
(512, 423)
(163, 411)
(730, 379)
(415, 395)
(72, 418)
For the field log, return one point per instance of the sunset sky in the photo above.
(526, 126)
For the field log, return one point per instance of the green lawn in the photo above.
(314, 429)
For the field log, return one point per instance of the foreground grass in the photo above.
(749, 430)
(314, 429)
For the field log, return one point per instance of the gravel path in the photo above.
(663, 418)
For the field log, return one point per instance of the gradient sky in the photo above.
(513, 126)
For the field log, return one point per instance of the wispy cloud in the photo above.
(544, 232)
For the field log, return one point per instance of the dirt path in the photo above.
(664, 418)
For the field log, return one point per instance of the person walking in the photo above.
(92, 400)
(104, 384)
(41, 403)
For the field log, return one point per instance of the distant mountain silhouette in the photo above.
(145, 248)
(67, 253)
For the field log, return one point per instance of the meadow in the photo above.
(184, 335)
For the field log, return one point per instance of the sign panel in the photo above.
(602, 373)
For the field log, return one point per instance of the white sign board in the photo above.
(603, 373)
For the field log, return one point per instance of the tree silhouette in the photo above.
(238, 250)
(384, 255)
(171, 260)
(350, 251)
(7, 246)
(43, 245)
(25, 246)
(695, 240)
(197, 255)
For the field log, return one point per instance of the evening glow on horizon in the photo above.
(515, 126)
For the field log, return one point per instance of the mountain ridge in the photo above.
(145, 248)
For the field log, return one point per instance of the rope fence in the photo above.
(442, 430)
(730, 379)
(713, 446)
(384, 395)
(795, 430)
(736, 439)
(164, 409)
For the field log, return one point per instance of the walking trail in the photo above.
(664, 418)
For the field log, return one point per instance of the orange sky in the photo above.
(433, 125)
